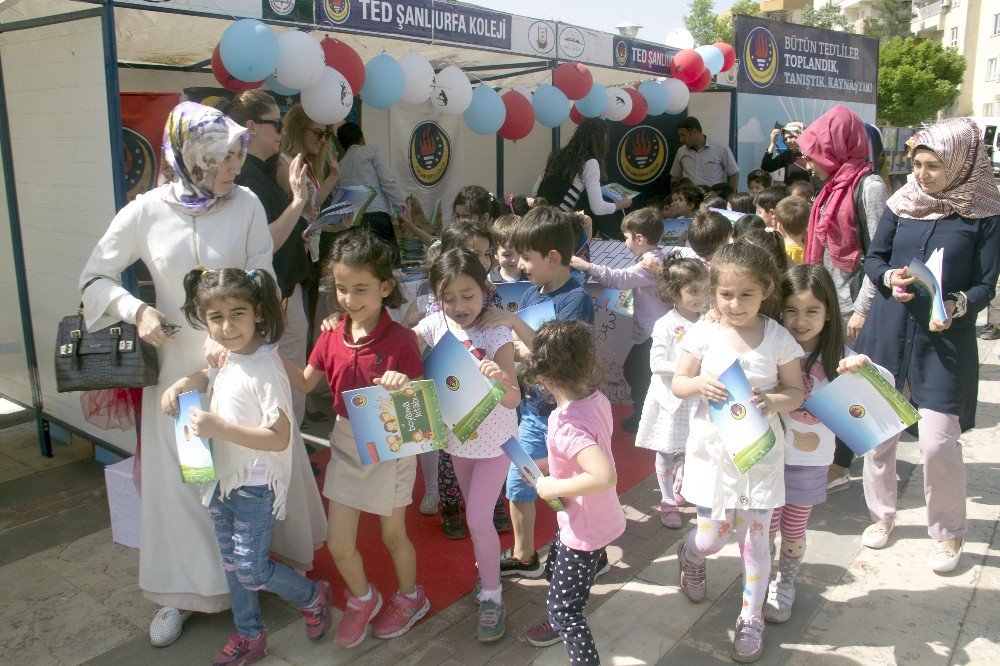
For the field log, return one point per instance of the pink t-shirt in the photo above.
(591, 521)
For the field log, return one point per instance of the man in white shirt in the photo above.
(700, 161)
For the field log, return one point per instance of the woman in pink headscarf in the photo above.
(843, 220)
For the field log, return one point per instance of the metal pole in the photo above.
(499, 151)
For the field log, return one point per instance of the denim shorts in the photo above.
(531, 433)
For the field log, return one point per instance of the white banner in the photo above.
(426, 155)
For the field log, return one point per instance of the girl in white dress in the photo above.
(664, 424)
(744, 281)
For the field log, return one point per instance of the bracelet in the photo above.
(961, 303)
(887, 277)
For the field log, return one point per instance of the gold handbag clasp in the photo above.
(125, 345)
(116, 331)
(65, 350)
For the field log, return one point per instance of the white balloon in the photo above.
(680, 38)
(330, 100)
(418, 75)
(452, 91)
(678, 93)
(619, 104)
(300, 60)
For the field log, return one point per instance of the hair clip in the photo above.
(251, 273)
(201, 271)
(509, 200)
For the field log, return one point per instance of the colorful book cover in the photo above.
(616, 192)
(465, 396)
(731, 215)
(398, 424)
(527, 468)
(538, 314)
(929, 275)
(675, 230)
(512, 294)
(743, 428)
(193, 452)
(344, 200)
(617, 300)
(862, 409)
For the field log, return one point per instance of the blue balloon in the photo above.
(712, 57)
(486, 113)
(593, 104)
(656, 97)
(551, 106)
(276, 87)
(249, 50)
(384, 82)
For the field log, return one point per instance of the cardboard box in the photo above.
(123, 501)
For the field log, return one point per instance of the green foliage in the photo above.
(892, 19)
(828, 16)
(708, 28)
(916, 79)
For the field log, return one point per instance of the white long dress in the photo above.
(179, 561)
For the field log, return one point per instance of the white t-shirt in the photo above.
(249, 390)
(501, 424)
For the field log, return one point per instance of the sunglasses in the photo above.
(321, 135)
(278, 124)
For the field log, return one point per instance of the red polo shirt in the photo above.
(389, 347)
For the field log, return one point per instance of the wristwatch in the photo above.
(887, 277)
(961, 303)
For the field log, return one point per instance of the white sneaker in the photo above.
(943, 560)
(429, 504)
(876, 536)
(166, 626)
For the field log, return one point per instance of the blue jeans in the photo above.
(243, 525)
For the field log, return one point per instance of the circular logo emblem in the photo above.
(571, 42)
(359, 401)
(337, 10)
(512, 307)
(738, 411)
(140, 163)
(621, 52)
(760, 57)
(642, 154)
(857, 411)
(430, 154)
(540, 37)
(451, 381)
(282, 7)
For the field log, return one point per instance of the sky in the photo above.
(658, 17)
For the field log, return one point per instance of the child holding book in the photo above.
(684, 201)
(460, 283)
(664, 424)
(643, 230)
(743, 285)
(792, 218)
(507, 258)
(366, 348)
(251, 435)
(581, 472)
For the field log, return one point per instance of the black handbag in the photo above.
(113, 357)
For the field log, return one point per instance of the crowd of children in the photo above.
(732, 290)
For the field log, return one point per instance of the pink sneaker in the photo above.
(401, 614)
(670, 516)
(317, 614)
(241, 650)
(358, 615)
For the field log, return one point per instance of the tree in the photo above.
(892, 19)
(828, 16)
(916, 79)
(708, 28)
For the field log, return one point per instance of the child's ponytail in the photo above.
(677, 272)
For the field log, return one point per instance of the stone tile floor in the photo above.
(69, 593)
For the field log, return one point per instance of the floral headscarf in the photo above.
(196, 141)
(970, 191)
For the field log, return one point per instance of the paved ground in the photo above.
(69, 593)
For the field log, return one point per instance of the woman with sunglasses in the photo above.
(314, 142)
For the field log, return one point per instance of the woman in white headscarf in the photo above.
(197, 217)
(950, 204)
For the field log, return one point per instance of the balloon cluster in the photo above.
(329, 73)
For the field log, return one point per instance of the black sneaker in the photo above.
(603, 566)
(453, 523)
(990, 332)
(631, 424)
(501, 521)
(511, 566)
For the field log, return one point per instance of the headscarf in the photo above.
(196, 140)
(837, 142)
(794, 128)
(970, 191)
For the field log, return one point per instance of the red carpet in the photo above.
(445, 567)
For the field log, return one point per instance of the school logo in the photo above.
(282, 7)
(571, 42)
(540, 37)
(642, 154)
(338, 11)
(140, 163)
(430, 154)
(857, 411)
(512, 307)
(760, 56)
(621, 52)
(359, 401)
(451, 381)
(738, 411)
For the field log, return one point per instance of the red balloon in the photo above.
(687, 66)
(702, 81)
(640, 108)
(520, 116)
(574, 79)
(575, 115)
(227, 80)
(728, 53)
(344, 59)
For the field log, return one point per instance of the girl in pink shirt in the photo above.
(582, 474)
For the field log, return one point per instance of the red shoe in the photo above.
(241, 650)
(543, 635)
(353, 627)
(317, 614)
(401, 614)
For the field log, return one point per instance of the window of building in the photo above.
(953, 38)
(996, 24)
(956, 3)
(991, 69)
